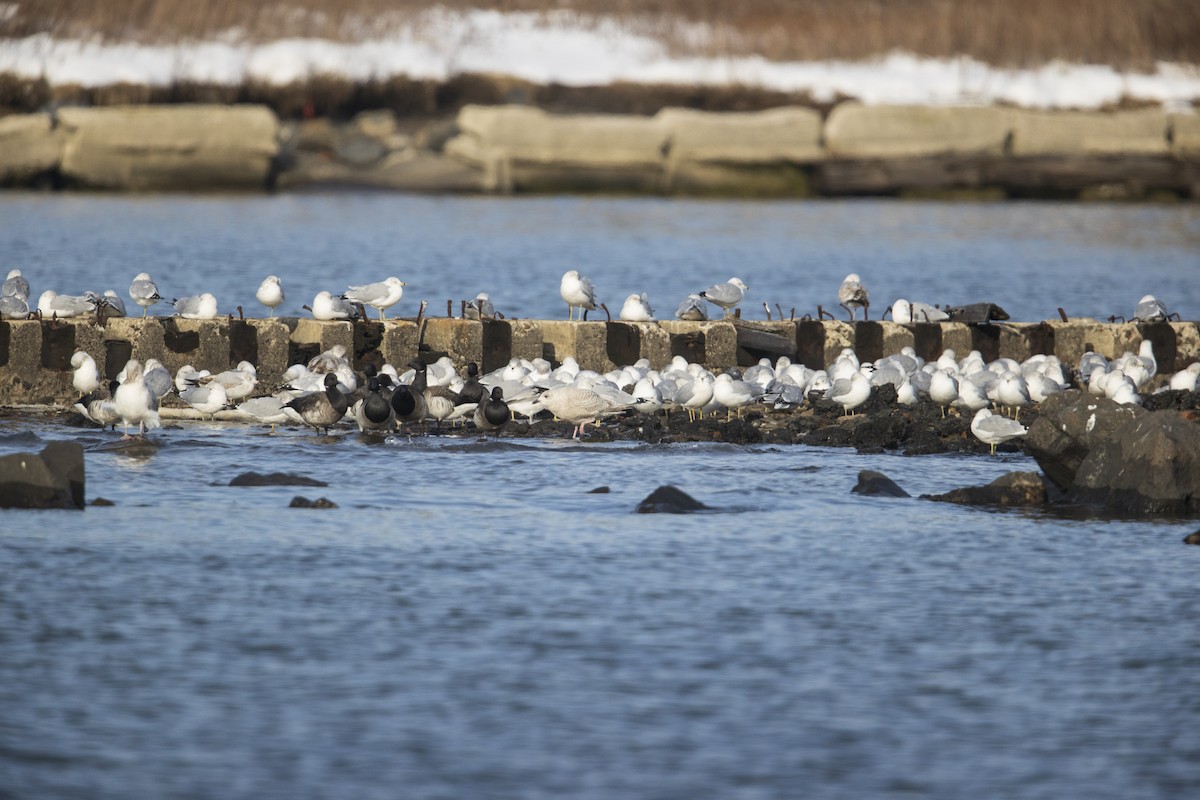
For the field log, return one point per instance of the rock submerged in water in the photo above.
(53, 478)
(274, 479)
(670, 500)
(304, 502)
(1121, 458)
(1020, 489)
(1192, 538)
(871, 482)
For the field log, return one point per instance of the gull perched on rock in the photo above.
(637, 309)
(852, 295)
(993, 430)
(270, 294)
(201, 306)
(144, 292)
(692, 309)
(726, 295)
(577, 292)
(207, 399)
(851, 392)
(382, 295)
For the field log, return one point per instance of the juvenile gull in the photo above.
(200, 306)
(577, 292)
(853, 295)
(692, 309)
(576, 405)
(381, 295)
(993, 430)
(726, 295)
(637, 309)
(144, 292)
(270, 294)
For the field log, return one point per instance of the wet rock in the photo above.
(1148, 467)
(1172, 400)
(1192, 538)
(1069, 426)
(871, 482)
(670, 500)
(885, 430)
(102, 501)
(52, 479)
(829, 436)
(304, 502)
(274, 479)
(1023, 489)
(599, 490)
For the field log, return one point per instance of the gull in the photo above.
(480, 308)
(326, 307)
(381, 295)
(321, 409)
(1013, 392)
(64, 306)
(270, 294)
(157, 378)
(374, 412)
(993, 430)
(694, 395)
(15, 285)
(1150, 309)
(648, 396)
(109, 300)
(692, 309)
(637, 309)
(134, 402)
(200, 306)
(144, 292)
(1186, 379)
(13, 307)
(851, 392)
(188, 376)
(943, 389)
(85, 377)
(238, 382)
(577, 292)
(726, 295)
(99, 406)
(207, 399)
(852, 294)
(494, 413)
(268, 410)
(905, 312)
(576, 405)
(732, 394)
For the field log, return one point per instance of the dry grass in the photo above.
(1123, 33)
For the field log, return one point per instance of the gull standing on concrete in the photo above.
(64, 306)
(1150, 309)
(637, 309)
(852, 295)
(111, 301)
(270, 294)
(144, 292)
(15, 285)
(726, 295)
(326, 307)
(200, 306)
(480, 308)
(577, 292)
(993, 430)
(692, 309)
(382, 295)
(13, 307)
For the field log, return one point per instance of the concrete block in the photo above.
(759, 137)
(586, 342)
(525, 339)
(713, 344)
(132, 337)
(311, 337)
(771, 340)
(1040, 133)
(839, 336)
(461, 339)
(22, 378)
(1187, 344)
(1185, 135)
(629, 341)
(400, 343)
(268, 341)
(956, 336)
(203, 343)
(854, 130)
(895, 337)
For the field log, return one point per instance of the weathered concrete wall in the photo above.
(868, 132)
(29, 147)
(1047, 133)
(35, 356)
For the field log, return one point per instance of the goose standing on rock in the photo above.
(493, 414)
(270, 294)
(577, 292)
(144, 292)
(726, 295)
(853, 295)
(374, 413)
(321, 410)
(381, 295)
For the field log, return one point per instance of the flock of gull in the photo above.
(326, 391)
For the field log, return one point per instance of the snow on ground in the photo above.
(574, 51)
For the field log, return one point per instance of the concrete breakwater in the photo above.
(793, 151)
(35, 355)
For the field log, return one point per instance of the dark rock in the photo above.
(52, 479)
(102, 501)
(1070, 425)
(1013, 489)
(872, 482)
(304, 502)
(1147, 467)
(1172, 400)
(977, 313)
(670, 500)
(274, 479)
(1192, 538)
(881, 431)
(829, 436)
(599, 490)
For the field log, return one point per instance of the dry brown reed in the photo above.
(1123, 33)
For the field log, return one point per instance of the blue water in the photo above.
(471, 622)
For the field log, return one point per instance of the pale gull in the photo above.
(577, 292)
(270, 294)
(200, 306)
(993, 430)
(381, 295)
(853, 295)
(144, 292)
(726, 295)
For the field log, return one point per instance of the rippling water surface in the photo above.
(471, 622)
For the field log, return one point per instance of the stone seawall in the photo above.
(35, 355)
(782, 152)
